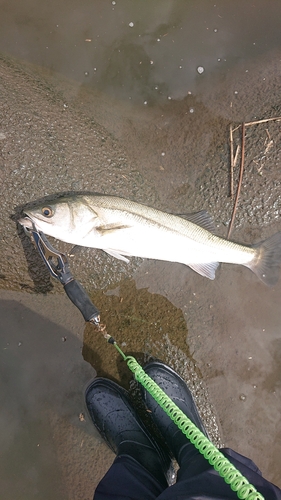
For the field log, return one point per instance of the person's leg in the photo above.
(200, 480)
(127, 479)
(139, 471)
(196, 477)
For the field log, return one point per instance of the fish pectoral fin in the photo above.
(110, 228)
(207, 269)
(116, 254)
(202, 219)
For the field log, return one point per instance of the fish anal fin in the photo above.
(202, 219)
(208, 270)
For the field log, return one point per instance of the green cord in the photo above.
(227, 471)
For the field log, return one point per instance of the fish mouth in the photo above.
(28, 225)
(26, 222)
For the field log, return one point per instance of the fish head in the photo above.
(65, 218)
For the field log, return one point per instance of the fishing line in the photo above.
(221, 464)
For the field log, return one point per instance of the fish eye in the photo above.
(47, 211)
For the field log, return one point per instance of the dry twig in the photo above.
(264, 120)
(239, 182)
(231, 160)
(236, 155)
(276, 118)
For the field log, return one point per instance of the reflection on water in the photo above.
(143, 52)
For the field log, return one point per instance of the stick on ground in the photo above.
(236, 155)
(276, 118)
(231, 160)
(239, 182)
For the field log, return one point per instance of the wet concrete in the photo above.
(147, 326)
(145, 124)
(46, 437)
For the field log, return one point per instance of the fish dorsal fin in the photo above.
(202, 219)
(208, 269)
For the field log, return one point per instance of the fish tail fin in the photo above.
(268, 258)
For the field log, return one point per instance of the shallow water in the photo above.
(110, 97)
(127, 49)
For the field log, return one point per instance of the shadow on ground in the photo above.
(46, 441)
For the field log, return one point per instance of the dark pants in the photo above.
(196, 480)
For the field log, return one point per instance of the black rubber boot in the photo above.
(121, 428)
(175, 387)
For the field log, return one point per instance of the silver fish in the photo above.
(124, 228)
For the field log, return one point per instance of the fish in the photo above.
(125, 228)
